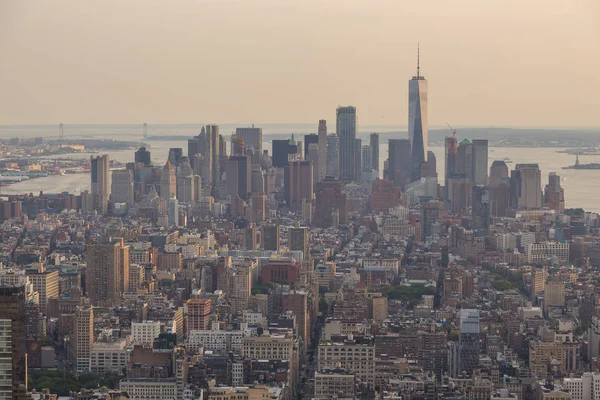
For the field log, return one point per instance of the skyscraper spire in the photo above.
(418, 61)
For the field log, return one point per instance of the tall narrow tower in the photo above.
(346, 131)
(100, 170)
(145, 131)
(322, 151)
(61, 132)
(418, 130)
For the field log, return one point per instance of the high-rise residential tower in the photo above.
(107, 271)
(298, 240)
(322, 163)
(418, 128)
(346, 131)
(100, 170)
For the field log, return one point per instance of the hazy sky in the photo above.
(488, 62)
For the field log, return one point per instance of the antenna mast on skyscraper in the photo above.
(145, 131)
(418, 61)
(61, 133)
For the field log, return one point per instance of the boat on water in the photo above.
(507, 160)
(577, 165)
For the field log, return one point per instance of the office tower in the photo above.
(297, 302)
(173, 211)
(498, 172)
(464, 160)
(238, 147)
(330, 198)
(257, 180)
(82, 338)
(175, 154)
(399, 161)
(168, 181)
(357, 160)
(250, 241)
(298, 240)
(480, 162)
(554, 194)
(418, 129)
(212, 132)
(258, 209)
(239, 177)
(281, 150)
(307, 212)
(433, 353)
(122, 187)
(299, 154)
(298, 183)
(460, 194)
(468, 341)
(223, 156)
(384, 195)
(332, 166)
(428, 169)
(554, 295)
(367, 162)
(12, 345)
(143, 156)
(186, 192)
(197, 315)
(526, 187)
(346, 131)
(100, 168)
(499, 189)
(252, 138)
(240, 284)
(374, 143)
(480, 214)
(107, 274)
(322, 143)
(196, 145)
(270, 237)
(451, 149)
(313, 156)
(197, 187)
(308, 140)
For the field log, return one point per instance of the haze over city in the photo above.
(490, 63)
(299, 200)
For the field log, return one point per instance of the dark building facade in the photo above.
(12, 351)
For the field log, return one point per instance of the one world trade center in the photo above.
(417, 121)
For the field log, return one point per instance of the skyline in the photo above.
(107, 72)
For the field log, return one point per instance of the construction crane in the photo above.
(452, 130)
